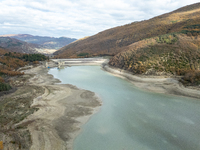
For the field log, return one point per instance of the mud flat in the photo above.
(61, 110)
(158, 84)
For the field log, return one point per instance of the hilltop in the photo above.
(14, 45)
(26, 43)
(113, 41)
(44, 42)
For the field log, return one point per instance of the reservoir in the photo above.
(130, 118)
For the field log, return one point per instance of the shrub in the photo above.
(168, 39)
(192, 77)
(4, 87)
(1, 79)
(83, 54)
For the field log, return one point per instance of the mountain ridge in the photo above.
(15, 45)
(44, 41)
(33, 44)
(113, 41)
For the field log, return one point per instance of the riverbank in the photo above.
(157, 84)
(61, 111)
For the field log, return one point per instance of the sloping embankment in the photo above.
(158, 84)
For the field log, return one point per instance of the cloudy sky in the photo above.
(77, 18)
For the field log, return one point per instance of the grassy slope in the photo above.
(113, 41)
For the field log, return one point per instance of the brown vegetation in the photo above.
(175, 57)
(10, 62)
(2, 51)
(191, 77)
(113, 41)
(15, 45)
(1, 145)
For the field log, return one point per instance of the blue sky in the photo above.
(76, 18)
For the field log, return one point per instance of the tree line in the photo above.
(11, 61)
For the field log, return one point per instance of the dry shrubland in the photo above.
(115, 40)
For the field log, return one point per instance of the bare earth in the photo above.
(62, 110)
(158, 84)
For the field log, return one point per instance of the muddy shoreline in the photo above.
(157, 84)
(61, 111)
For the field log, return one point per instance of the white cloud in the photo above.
(77, 18)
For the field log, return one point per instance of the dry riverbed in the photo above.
(42, 115)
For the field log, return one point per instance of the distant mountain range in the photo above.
(14, 45)
(26, 43)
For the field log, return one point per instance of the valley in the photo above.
(134, 86)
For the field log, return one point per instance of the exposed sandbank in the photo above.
(62, 110)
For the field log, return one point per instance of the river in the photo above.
(130, 118)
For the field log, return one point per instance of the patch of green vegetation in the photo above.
(83, 55)
(195, 26)
(167, 38)
(34, 57)
(188, 32)
(174, 21)
(28, 57)
(4, 87)
(191, 30)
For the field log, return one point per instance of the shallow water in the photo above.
(132, 119)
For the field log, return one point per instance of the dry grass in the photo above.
(115, 40)
(1, 145)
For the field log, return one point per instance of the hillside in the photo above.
(10, 62)
(2, 51)
(113, 41)
(172, 54)
(14, 45)
(44, 42)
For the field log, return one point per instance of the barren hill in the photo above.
(115, 40)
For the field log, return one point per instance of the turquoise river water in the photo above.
(130, 118)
